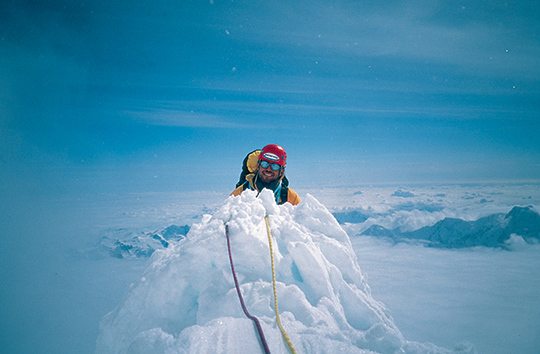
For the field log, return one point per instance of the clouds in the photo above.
(462, 291)
(174, 118)
(415, 33)
(476, 47)
(424, 205)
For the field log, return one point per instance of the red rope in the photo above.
(244, 308)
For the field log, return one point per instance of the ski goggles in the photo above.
(265, 164)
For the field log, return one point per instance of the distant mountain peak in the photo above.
(519, 211)
(523, 221)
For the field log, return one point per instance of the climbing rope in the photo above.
(244, 308)
(278, 319)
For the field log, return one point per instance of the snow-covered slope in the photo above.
(186, 302)
(495, 230)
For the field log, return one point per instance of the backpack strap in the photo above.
(248, 182)
(284, 194)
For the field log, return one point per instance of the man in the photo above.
(270, 174)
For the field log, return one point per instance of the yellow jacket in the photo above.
(292, 196)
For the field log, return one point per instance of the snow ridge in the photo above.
(186, 302)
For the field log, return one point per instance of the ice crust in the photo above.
(186, 302)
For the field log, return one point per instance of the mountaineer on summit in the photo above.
(266, 169)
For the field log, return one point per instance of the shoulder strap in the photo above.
(284, 195)
(248, 182)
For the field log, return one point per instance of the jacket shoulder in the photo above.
(293, 197)
(240, 188)
(237, 191)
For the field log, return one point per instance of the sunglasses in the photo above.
(275, 166)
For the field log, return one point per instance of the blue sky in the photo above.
(171, 94)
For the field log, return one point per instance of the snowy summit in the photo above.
(186, 301)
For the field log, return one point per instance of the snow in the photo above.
(57, 288)
(186, 302)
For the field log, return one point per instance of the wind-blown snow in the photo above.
(186, 302)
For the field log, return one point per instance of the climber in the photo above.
(266, 169)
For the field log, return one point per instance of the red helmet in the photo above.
(274, 154)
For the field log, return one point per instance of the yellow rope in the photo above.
(278, 319)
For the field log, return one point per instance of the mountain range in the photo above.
(494, 230)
